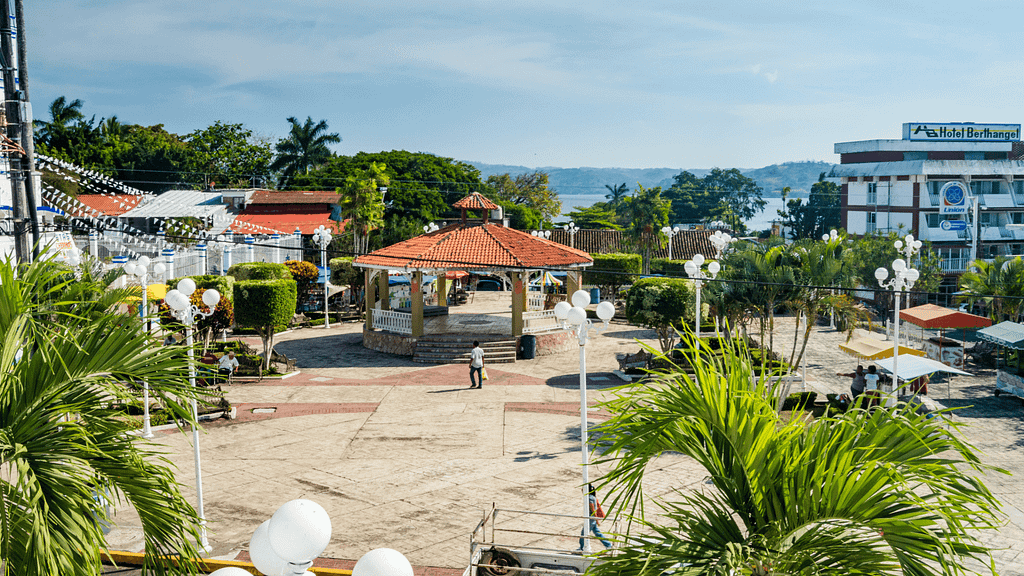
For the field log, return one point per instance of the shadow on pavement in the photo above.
(572, 381)
(337, 351)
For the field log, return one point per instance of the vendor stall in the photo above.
(932, 317)
(1007, 335)
(871, 349)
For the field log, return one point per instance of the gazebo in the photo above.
(474, 244)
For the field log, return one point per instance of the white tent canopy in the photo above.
(912, 367)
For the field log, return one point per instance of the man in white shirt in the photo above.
(228, 364)
(476, 366)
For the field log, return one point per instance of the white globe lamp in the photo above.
(577, 316)
(605, 311)
(299, 531)
(262, 554)
(581, 298)
(382, 562)
(186, 286)
(562, 310)
(211, 298)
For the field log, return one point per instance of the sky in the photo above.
(678, 84)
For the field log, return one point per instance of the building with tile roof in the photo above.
(288, 211)
(96, 205)
(488, 246)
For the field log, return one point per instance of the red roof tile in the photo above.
(283, 220)
(476, 246)
(107, 205)
(293, 197)
(475, 201)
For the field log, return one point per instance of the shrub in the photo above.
(259, 271)
(799, 400)
(305, 275)
(668, 267)
(662, 304)
(266, 306)
(343, 273)
(611, 271)
(222, 318)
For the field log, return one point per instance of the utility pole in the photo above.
(32, 195)
(25, 221)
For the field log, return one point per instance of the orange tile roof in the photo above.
(475, 201)
(461, 246)
(293, 197)
(270, 218)
(107, 204)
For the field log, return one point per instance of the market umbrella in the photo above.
(872, 349)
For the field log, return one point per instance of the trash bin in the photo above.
(528, 344)
(595, 295)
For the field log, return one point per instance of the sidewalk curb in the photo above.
(207, 564)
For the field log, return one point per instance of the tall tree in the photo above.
(62, 114)
(616, 194)
(304, 148)
(818, 216)
(68, 359)
(648, 213)
(888, 492)
(530, 190)
(227, 155)
(362, 204)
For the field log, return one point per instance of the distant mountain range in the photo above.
(584, 186)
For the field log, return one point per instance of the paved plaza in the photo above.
(405, 456)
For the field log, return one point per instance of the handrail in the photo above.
(392, 321)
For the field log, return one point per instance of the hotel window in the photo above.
(1017, 217)
(872, 193)
(872, 221)
(988, 219)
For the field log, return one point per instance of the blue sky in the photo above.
(540, 83)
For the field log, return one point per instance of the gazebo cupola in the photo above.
(475, 201)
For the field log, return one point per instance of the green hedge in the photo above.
(668, 267)
(259, 271)
(263, 303)
(222, 284)
(610, 271)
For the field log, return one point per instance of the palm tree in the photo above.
(616, 194)
(883, 492)
(65, 448)
(112, 128)
(998, 284)
(362, 204)
(648, 213)
(305, 147)
(62, 113)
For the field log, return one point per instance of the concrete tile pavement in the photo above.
(417, 473)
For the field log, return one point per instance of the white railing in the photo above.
(954, 264)
(391, 321)
(535, 300)
(539, 321)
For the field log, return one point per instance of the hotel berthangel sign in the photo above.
(961, 132)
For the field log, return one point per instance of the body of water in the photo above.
(761, 221)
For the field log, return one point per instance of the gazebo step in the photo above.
(454, 349)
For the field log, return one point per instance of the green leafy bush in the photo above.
(259, 271)
(799, 400)
(662, 304)
(668, 267)
(612, 271)
(266, 306)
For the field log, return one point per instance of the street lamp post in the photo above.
(831, 238)
(179, 300)
(140, 271)
(903, 279)
(322, 238)
(670, 232)
(694, 270)
(720, 241)
(572, 230)
(546, 234)
(576, 315)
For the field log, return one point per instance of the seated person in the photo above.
(227, 365)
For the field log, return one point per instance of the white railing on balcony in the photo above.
(539, 321)
(950, 265)
(392, 321)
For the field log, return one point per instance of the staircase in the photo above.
(454, 349)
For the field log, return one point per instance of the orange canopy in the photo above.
(935, 317)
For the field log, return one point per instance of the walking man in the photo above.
(476, 365)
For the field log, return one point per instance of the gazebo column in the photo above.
(385, 290)
(442, 289)
(369, 296)
(416, 289)
(518, 303)
(573, 282)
